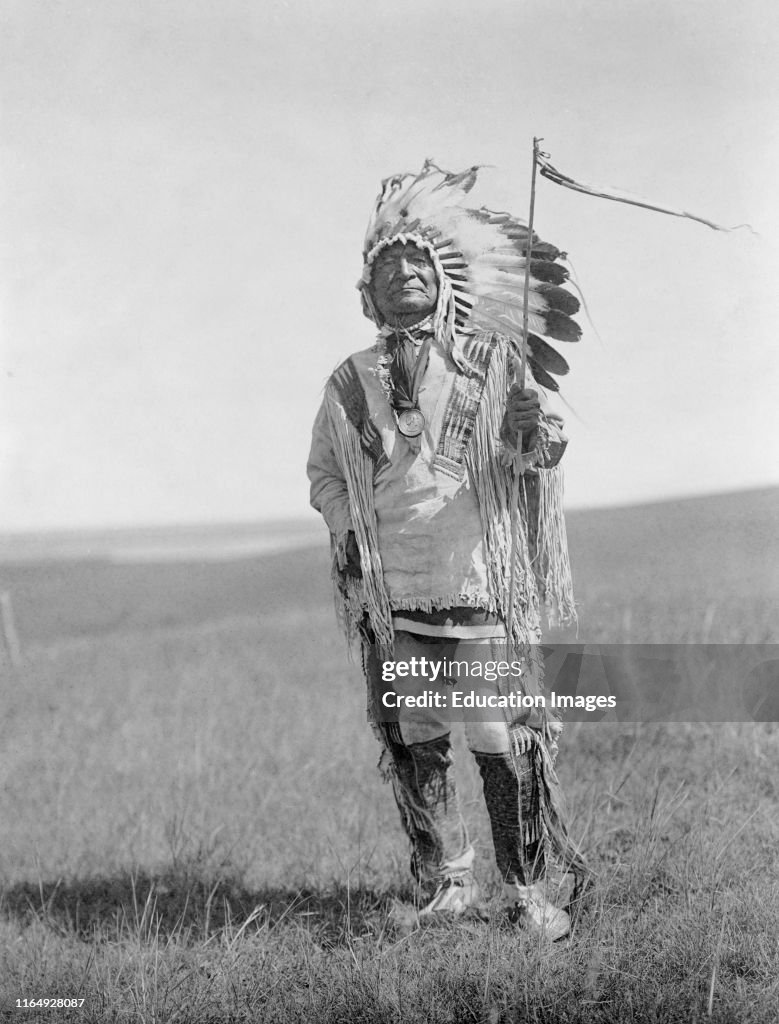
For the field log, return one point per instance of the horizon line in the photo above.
(303, 522)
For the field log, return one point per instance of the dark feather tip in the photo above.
(547, 357)
(560, 299)
(541, 376)
(545, 270)
(561, 327)
(544, 251)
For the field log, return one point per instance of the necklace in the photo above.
(400, 368)
(411, 419)
(405, 366)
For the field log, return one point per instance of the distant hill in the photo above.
(690, 570)
(163, 543)
(700, 568)
(729, 536)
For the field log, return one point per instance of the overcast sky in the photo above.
(186, 186)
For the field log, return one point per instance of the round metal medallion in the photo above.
(411, 422)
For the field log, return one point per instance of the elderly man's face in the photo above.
(404, 285)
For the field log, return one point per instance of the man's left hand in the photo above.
(523, 414)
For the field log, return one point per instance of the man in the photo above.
(435, 470)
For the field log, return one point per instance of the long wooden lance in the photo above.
(519, 372)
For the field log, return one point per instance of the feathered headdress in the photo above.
(481, 257)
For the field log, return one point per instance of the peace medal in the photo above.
(411, 422)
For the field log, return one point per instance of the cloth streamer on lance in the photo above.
(552, 174)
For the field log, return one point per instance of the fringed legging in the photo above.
(511, 792)
(521, 790)
(426, 797)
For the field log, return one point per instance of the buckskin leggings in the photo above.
(417, 757)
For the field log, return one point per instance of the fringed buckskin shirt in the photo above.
(429, 522)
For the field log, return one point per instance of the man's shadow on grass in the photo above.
(192, 909)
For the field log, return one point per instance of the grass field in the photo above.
(193, 829)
